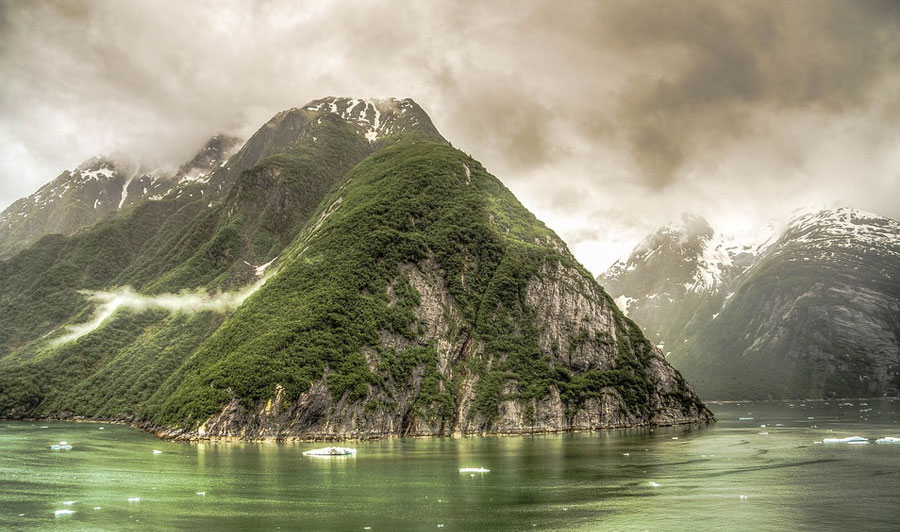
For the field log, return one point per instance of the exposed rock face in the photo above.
(564, 302)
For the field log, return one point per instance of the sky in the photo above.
(606, 119)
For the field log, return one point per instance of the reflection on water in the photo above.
(758, 468)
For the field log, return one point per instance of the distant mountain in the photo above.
(79, 198)
(346, 273)
(814, 312)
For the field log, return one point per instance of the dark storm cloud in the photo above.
(597, 114)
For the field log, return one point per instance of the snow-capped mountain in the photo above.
(672, 272)
(78, 198)
(814, 312)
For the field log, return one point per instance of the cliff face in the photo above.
(564, 301)
(389, 286)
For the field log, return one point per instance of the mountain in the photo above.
(346, 273)
(813, 313)
(81, 197)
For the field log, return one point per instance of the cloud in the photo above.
(108, 303)
(601, 116)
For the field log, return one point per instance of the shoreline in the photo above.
(161, 435)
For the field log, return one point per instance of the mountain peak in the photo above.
(376, 118)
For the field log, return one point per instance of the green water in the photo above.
(598, 481)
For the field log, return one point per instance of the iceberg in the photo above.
(888, 439)
(852, 440)
(474, 470)
(330, 451)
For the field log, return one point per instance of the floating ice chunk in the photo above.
(330, 451)
(888, 439)
(474, 470)
(157, 451)
(852, 440)
(59, 513)
(134, 499)
(655, 485)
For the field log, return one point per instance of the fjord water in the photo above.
(727, 476)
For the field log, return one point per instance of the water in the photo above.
(722, 477)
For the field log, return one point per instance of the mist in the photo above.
(107, 303)
(604, 118)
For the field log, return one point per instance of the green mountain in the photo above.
(347, 273)
(813, 313)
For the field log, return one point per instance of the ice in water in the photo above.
(852, 440)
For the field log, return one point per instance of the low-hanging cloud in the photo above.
(107, 303)
(601, 116)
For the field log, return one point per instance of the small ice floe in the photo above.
(59, 513)
(330, 451)
(157, 451)
(745, 419)
(134, 499)
(655, 484)
(743, 497)
(852, 440)
(474, 470)
(888, 439)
